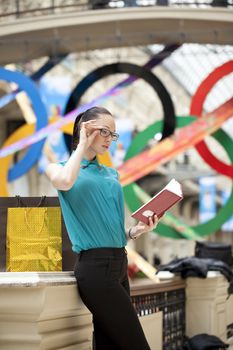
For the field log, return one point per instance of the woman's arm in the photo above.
(63, 177)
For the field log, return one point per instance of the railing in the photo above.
(29, 8)
(170, 299)
(230, 331)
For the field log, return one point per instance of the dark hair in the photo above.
(89, 114)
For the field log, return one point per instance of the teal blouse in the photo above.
(93, 209)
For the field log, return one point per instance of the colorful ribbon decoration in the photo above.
(71, 115)
(190, 135)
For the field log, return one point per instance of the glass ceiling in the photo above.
(192, 63)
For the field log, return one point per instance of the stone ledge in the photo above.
(36, 279)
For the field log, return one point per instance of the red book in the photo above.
(160, 203)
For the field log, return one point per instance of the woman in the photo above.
(92, 203)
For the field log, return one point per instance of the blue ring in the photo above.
(33, 153)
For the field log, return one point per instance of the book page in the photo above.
(174, 186)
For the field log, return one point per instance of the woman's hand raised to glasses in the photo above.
(89, 130)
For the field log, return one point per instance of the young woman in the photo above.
(92, 203)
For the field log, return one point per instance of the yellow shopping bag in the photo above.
(34, 239)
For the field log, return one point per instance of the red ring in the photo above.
(196, 109)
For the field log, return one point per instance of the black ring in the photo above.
(135, 70)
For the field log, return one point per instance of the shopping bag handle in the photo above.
(20, 202)
(26, 212)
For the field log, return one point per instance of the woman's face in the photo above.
(102, 143)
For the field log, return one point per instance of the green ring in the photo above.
(138, 144)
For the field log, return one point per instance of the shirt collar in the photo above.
(85, 162)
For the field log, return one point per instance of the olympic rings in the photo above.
(32, 155)
(196, 109)
(141, 139)
(133, 202)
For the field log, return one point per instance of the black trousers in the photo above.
(103, 285)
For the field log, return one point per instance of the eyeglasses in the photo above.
(107, 133)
